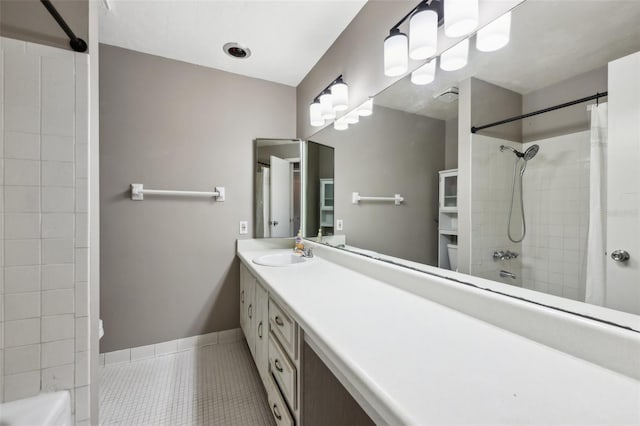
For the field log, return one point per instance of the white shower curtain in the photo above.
(596, 256)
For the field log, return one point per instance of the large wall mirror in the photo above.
(294, 188)
(412, 145)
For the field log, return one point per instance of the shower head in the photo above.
(531, 152)
(515, 151)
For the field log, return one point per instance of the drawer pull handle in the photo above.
(279, 321)
(277, 364)
(242, 296)
(276, 412)
(260, 330)
(250, 311)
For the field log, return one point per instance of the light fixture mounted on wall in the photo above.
(332, 99)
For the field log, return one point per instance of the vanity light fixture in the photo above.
(340, 95)
(456, 57)
(366, 109)
(494, 36)
(326, 106)
(315, 113)
(352, 118)
(423, 33)
(334, 97)
(460, 17)
(396, 61)
(425, 74)
(340, 124)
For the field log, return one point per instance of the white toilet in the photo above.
(452, 250)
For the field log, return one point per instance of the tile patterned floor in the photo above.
(213, 385)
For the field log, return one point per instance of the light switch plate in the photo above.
(339, 225)
(244, 227)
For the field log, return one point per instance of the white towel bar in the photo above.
(356, 198)
(138, 191)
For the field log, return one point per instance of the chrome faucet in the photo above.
(504, 255)
(307, 253)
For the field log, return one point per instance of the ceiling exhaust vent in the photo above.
(448, 96)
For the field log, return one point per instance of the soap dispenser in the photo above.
(299, 245)
(319, 238)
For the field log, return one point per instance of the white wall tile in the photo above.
(116, 357)
(57, 353)
(58, 225)
(21, 119)
(57, 327)
(21, 359)
(21, 306)
(58, 173)
(82, 264)
(82, 369)
(82, 195)
(58, 302)
(82, 403)
(21, 80)
(57, 148)
(21, 332)
(58, 378)
(21, 225)
(57, 276)
(58, 96)
(21, 199)
(10, 45)
(55, 251)
(21, 172)
(82, 299)
(82, 230)
(21, 252)
(23, 385)
(58, 200)
(19, 279)
(82, 160)
(82, 334)
(22, 145)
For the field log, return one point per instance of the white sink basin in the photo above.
(281, 259)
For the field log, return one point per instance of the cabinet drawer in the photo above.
(283, 371)
(278, 407)
(283, 327)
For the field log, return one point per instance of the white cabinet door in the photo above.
(248, 306)
(262, 331)
(623, 184)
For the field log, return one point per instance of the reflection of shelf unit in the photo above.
(448, 215)
(326, 203)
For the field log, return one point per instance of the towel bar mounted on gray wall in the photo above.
(138, 191)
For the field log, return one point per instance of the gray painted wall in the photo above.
(567, 120)
(28, 20)
(389, 152)
(490, 103)
(168, 266)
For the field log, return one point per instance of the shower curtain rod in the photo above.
(76, 43)
(474, 129)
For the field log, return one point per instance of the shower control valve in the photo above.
(504, 255)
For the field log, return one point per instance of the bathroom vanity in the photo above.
(415, 348)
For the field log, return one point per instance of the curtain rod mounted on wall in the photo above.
(76, 43)
(597, 96)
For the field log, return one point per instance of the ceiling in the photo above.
(286, 38)
(551, 41)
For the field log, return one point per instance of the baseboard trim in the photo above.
(169, 347)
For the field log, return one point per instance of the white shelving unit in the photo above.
(326, 203)
(447, 215)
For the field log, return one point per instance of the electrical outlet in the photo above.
(339, 225)
(244, 227)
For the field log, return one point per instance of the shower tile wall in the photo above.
(43, 223)
(556, 196)
(491, 195)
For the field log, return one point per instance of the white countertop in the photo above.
(409, 360)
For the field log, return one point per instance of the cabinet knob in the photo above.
(250, 311)
(279, 321)
(260, 330)
(277, 365)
